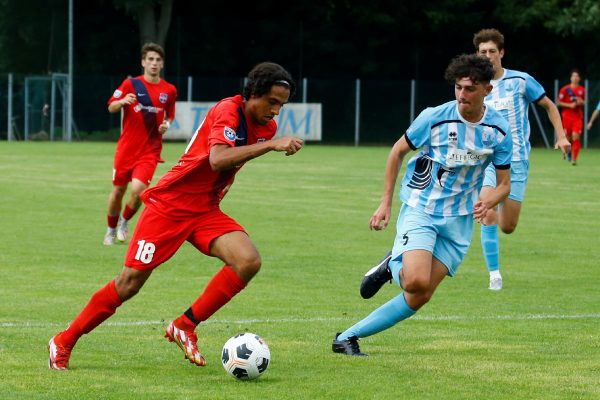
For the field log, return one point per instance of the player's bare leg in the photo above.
(131, 206)
(115, 200)
(242, 262)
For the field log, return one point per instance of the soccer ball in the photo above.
(245, 356)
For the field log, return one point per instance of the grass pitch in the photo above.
(308, 215)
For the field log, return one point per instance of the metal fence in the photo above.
(354, 111)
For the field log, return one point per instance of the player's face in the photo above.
(575, 78)
(490, 50)
(262, 109)
(470, 96)
(152, 63)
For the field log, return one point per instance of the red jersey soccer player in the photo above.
(148, 103)
(571, 98)
(184, 205)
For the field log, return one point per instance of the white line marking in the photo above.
(525, 317)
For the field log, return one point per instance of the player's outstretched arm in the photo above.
(381, 217)
(223, 157)
(592, 119)
(562, 142)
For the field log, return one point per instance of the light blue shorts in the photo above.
(447, 238)
(519, 171)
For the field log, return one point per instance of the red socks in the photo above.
(575, 146)
(221, 288)
(128, 212)
(112, 220)
(101, 306)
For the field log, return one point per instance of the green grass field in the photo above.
(308, 215)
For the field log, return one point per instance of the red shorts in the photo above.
(572, 125)
(156, 238)
(142, 170)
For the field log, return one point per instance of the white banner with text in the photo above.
(301, 120)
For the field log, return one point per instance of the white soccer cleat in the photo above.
(495, 283)
(122, 230)
(109, 238)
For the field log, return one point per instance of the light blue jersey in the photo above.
(598, 106)
(445, 178)
(511, 96)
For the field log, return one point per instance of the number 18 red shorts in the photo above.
(156, 238)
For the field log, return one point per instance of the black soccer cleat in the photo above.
(376, 277)
(348, 347)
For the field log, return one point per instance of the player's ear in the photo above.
(501, 52)
(488, 88)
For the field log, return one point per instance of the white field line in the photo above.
(524, 317)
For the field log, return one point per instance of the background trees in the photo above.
(325, 38)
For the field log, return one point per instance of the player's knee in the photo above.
(508, 227)
(415, 284)
(248, 266)
(128, 287)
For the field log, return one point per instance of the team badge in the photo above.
(117, 94)
(229, 133)
(162, 97)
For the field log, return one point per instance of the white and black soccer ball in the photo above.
(245, 356)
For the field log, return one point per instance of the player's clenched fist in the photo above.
(290, 145)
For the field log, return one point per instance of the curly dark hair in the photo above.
(263, 76)
(488, 35)
(478, 69)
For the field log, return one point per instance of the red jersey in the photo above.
(191, 187)
(140, 136)
(568, 94)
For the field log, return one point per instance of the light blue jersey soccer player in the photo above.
(594, 116)
(512, 94)
(440, 192)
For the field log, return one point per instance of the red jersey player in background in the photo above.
(184, 205)
(571, 98)
(148, 103)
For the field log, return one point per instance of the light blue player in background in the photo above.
(594, 116)
(440, 192)
(512, 93)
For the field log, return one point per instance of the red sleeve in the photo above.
(121, 91)
(171, 106)
(224, 124)
(561, 94)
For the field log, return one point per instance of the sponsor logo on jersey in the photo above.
(460, 157)
(117, 94)
(156, 110)
(452, 137)
(162, 97)
(229, 133)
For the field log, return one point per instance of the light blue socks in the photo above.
(490, 243)
(381, 319)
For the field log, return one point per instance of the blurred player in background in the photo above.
(571, 98)
(440, 195)
(148, 103)
(184, 206)
(512, 93)
(594, 116)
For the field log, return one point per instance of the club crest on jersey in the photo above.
(162, 97)
(117, 94)
(488, 137)
(229, 133)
